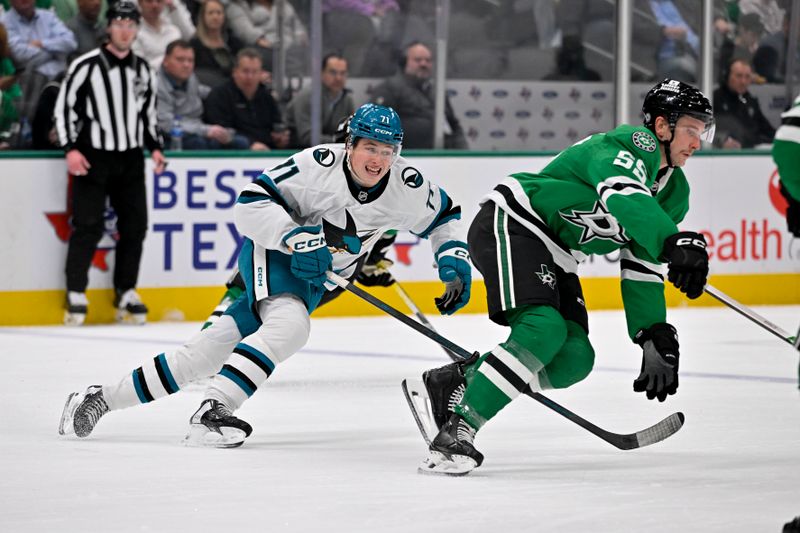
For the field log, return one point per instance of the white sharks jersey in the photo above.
(315, 188)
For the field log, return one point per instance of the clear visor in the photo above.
(706, 133)
(378, 149)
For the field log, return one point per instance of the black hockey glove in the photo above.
(687, 258)
(375, 271)
(376, 275)
(792, 213)
(659, 375)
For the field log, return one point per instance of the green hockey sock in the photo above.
(572, 363)
(537, 333)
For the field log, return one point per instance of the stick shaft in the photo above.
(750, 314)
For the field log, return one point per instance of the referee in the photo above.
(105, 116)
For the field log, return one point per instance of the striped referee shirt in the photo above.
(108, 103)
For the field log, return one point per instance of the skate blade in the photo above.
(65, 426)
(417, 397)
(439, 464)
(134, 319)
(74, 319)
(200, 436)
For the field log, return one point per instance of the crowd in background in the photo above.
(215, 60)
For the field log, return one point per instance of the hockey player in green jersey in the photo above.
(621, 190)
(786, 153)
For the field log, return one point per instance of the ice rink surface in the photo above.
(335, 448)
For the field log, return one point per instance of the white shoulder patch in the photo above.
(644, 141)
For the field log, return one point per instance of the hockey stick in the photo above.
(752, 315)
(645, 437)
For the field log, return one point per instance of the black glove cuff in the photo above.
(663, 335)
(684, 239)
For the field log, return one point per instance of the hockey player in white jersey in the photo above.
(322, 209)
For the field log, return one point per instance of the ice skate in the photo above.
(214, 426)
(452, 452)
(75, 308)
(445, 386)
(82, 411)
(130, 309)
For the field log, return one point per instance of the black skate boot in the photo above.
(446, 386)
(214, 425)
(82, 411)
(452, 452)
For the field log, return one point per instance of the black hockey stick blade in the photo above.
(651, 435)
(655, 433)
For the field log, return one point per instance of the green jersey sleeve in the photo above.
(642, 275)
(623, 171)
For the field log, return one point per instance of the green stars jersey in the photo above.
(602, 194)
(786, 149)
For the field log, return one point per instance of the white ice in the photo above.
(335, 448)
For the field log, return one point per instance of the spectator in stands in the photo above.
(410, 92)
(769, 13)
(769, 59)
(214, 45)
(570, 65)
(337, 104)
(373, 28)
(9, 92)
(87, 26)
(40, 44)
(744, 43)
(740, 122)
(255, 24)
(43, 127)
(67, 9)
(680, 45)
(180, 95)
(163, 21)
(246, 105)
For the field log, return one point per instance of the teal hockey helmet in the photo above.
(376, 122)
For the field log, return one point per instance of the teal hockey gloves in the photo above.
(792, 213)
(659, 375)
(456, 273)
(310, 255)
(687, 258)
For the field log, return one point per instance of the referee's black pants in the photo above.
(118, 176)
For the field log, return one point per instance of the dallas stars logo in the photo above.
(547, 277)
(346, 238)
(644, 141)
(596, 224)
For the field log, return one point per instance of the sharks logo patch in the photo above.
(324, 157)
(346, 238)
(411, 177)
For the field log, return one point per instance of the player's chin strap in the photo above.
(645, 437)
(667, 150)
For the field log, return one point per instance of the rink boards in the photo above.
(192, 242)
